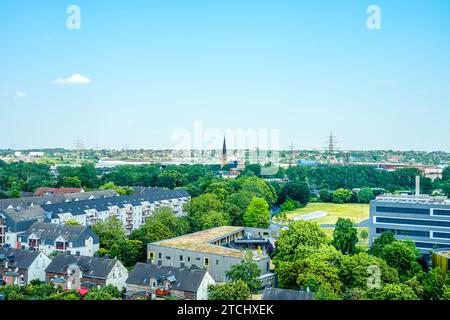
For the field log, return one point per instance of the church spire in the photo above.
(224, 153)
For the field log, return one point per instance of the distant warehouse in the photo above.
(215, 250)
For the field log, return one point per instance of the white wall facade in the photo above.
(118, 276)
(202, 292)
(37, 268)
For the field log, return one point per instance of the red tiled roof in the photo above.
(41, 191)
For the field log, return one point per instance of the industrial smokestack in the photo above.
(417, 185)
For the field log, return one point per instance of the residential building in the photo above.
(17, 215)
(422, 219)
(215, 250)
(186, 284)
(14, 203)
(48, 238)
(74, 271)
(19, 267)
(132, 210)
(53, 191)
(286, 294)
(16, 220)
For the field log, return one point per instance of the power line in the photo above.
(291, 155)
(331, 145)
(79, 146)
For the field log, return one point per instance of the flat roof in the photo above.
(420, 199)
(201, 241)
(443, 252)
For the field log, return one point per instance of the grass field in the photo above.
(354, 211)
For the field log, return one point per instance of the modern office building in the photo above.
(215, 250)
(422, 219)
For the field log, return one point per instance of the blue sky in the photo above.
(303, 67)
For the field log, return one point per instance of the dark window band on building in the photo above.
(427, 245)
(403, 210)
(437, 212)
(414, 222)
(411, 233)
(444, 235)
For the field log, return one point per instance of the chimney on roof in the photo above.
(417, 185)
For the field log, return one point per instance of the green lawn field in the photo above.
(354, 211)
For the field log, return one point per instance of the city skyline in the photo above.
(136, 72)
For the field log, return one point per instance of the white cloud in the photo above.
(21, 94)
(73, 79)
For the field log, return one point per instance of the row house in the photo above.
(20, 267)
(50, 238)
(17, 215)
(25, 202)
(132, 210)
(73, 272)
(182, 283)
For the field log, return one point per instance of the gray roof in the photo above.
(93, 267)
(20, 219)
(50, 231)
(18, 258)
(286, 294)
(185, 279)
(103, 204)
(25, 214)
(59, 198)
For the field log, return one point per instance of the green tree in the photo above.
(325, 195)
(446, 188)
(392, 292)
(123, 191)
(433, 283)
(40, 291)
(289, 205)
(237, 290)
(12, 292)
(345, 236)
(355, 270)
(257, 214)
(446, 173)
(342, 196)
(236, 204)
(259, 188)
(401, 255)
(296, 190)
(248, 271)
(66, 295)
(127, 251)
(364, 234)
(109, 232)
(95, 294)
(170, 179)
(300, 235)
(380, 242)
(365, 195)
(213, 219)
(72, 182)
(317, 270)
(200, 206)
